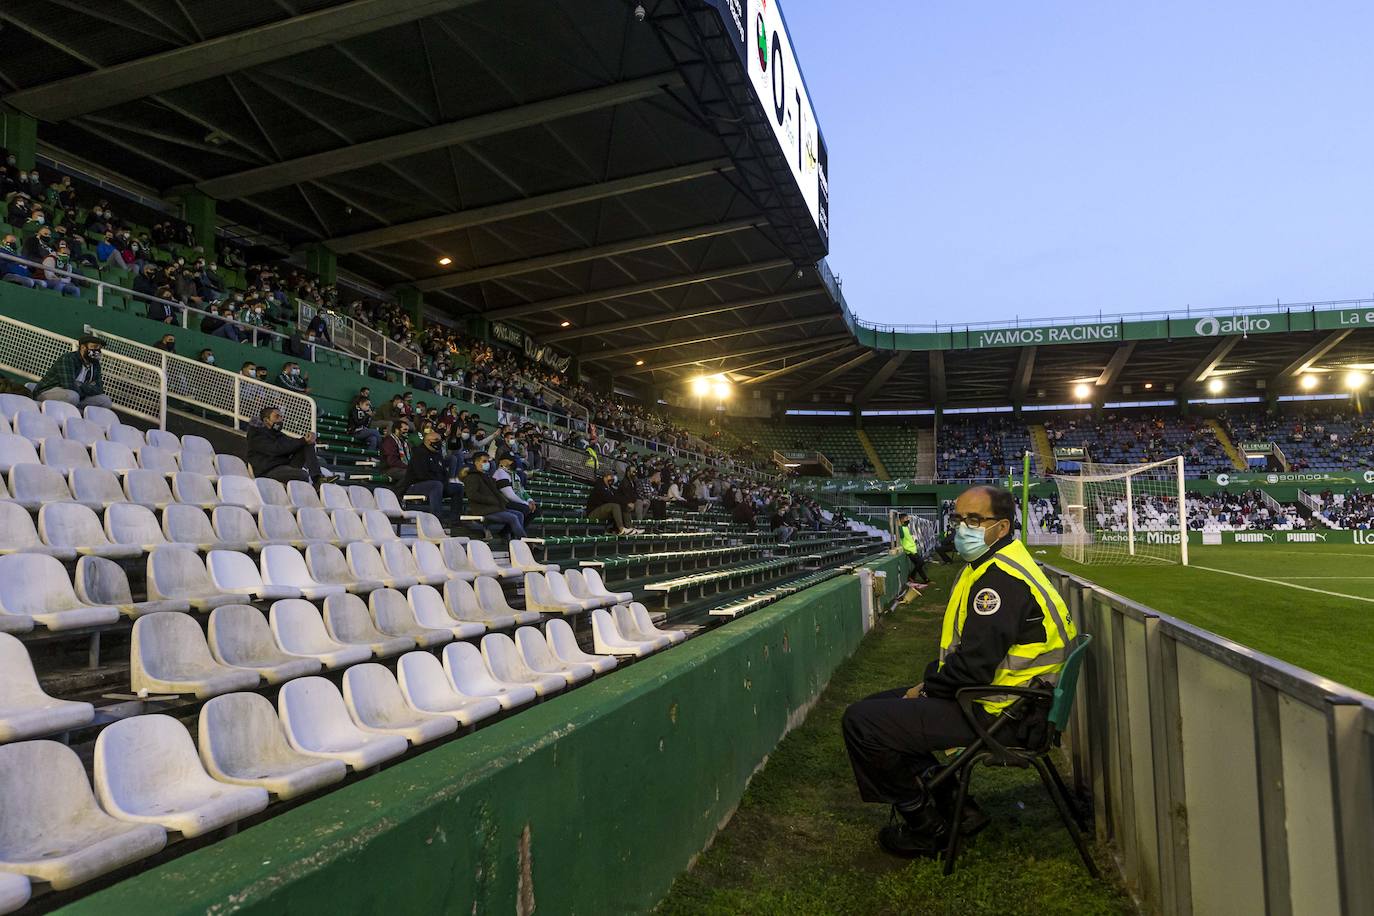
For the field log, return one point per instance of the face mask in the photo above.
(969, 542)
(210, 360)
(295, 372)
(40, 219)
(277, 425)
(93, 355)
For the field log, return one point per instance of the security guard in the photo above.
(916, 577)
(1005, 624)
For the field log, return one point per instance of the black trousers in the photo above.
(303, 465)
(891, 741)
(917, 573)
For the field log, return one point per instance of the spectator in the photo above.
(274, 454)
(395, 450)
(57, 271)
(107, 252)
(360, 424)
(206, 356)
(10, 269)
(167, 343)
(392, 411)
(603, 503)
(511, 488)
(162, 310)
(261, 374)
(249, 370)
(484, 499)
(75, 377)
(291, 379)
(426, 476)
(783, 521)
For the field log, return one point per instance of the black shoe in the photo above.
(974, 819)
(903, 839)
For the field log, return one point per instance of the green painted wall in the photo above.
(19, 135)
(589, 803)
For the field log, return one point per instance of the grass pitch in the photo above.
(1311, 605)
(802, 842)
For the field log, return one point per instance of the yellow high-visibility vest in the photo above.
(908, 542)
(1024, 661)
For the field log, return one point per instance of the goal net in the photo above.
(1125, 513)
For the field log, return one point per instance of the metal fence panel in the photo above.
(1309, 809)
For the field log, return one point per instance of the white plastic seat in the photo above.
(317, 724)
(53, 829)
(629, 627)
(392, 614)
(175, 572)
(562, 593)
(12, 404)
(94, 487)
(160, 438)
(470, 676)
(346, 619)
(480, 559)
(455, 554)
(147, 771)
(299, 630)
(278, 526)
(169, 654)
(302, 495)
(564, 646)
(114, 456)
(646, 628)
(427, 688)
(366, 563)
(183, 524)
(131, 437)
(362, 499)
(597, 588)
(428, 607)
(535, 651)
(64, 454)
(59, 411)
(236, 524)
(335, 497)
(493, 601)
(18, 535)
(284, 566)
(522, 559)
(400, 562)
(239, 491)
(231, 466)
(429, 528)
(74, 525)
(379, 529)
(236, 573)
(391, 506)
(34, 587)
(37, 427)
(99, 581)
(578, 587)
(83, 431)
(607, 638)
(193, 489)
(35, 485)
(198, 463)
(16, 450)
(507, 664)
(15, 890)
(26, 710)
(148, 488)
(539, 597)
(326, 563)
(273, 492)
(348, 527)
(240, 637)
(376, 703)
(134, 525)
(242, 743)
(197, 445)
(462, 604)
(103, 417)
(316, 526)
(152, 458)
(430, 563)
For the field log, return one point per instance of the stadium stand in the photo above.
(1121, 438)
(1313, 439)
(979, 447)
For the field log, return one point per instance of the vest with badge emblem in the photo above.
(1024, 662)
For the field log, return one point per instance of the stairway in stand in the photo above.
(878, 467)
(925, 454)
(1044, 454)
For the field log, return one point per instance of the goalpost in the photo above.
(1125, 513)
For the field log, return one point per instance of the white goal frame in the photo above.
(1076, 491)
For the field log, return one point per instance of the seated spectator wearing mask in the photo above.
(206, 356)
(783, 521)
(485, 499)
(360, 424)
(603, 504)
(291, 379)
(512, 489)
(391, 412)
(11, 271)
(274, 454)
(167, 343)
(75, 377)
(427, 476)
(395, 450)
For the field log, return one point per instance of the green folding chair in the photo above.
(993, 752)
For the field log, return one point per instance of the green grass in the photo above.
(1310, 629)
(802, 842)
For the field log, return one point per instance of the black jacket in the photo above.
(359, 419)
(425, 465)
(483, 494)
(986, 637)
(601, 494)
(271, 448)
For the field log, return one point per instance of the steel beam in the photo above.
(582, 255)
(880, 377)
(633, 289)
(1210, 362)
(686, 314)
(136, 79)
(793, 367)
(1311, 355)
(1025, 368)
(937, 377)
(831, 374)
(411, 143)
(707, 338)
(1112, 371)
(805, 346)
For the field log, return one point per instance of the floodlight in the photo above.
(1308, 382)
(701, 386)
(721, 390)
(1216, 386)
(1355, 380)
(1082, 391)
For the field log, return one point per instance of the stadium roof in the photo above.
(609, 185)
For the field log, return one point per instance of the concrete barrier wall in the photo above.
(590, 803)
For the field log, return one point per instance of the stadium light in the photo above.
(1149, 385)
(1308, 382)
(701, 386)
(721, 389)
(1355, 380)
(565, 324)
(639, 362)
(445, 261)
(1082, 391)
(1216, 386)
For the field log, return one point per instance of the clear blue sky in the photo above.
(989, 160)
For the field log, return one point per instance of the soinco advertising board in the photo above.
(761, 39)
(1313, 478)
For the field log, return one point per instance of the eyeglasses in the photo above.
(973, 519)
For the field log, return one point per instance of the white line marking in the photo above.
(1324, 553)
(1305, 588)
(1326, 577)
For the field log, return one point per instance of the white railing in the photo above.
(1310, 501)
(361, 340)
(223, 397)
(135, 388)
